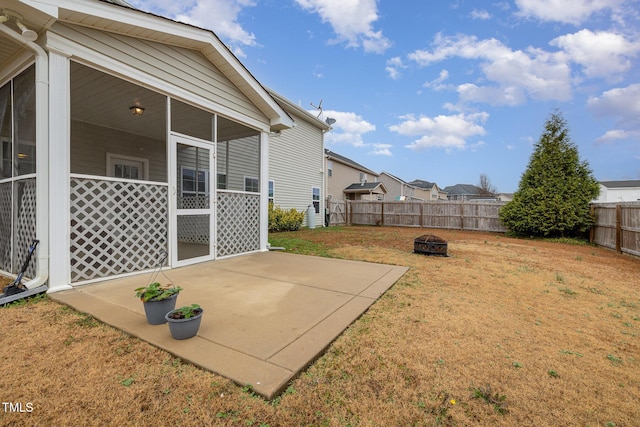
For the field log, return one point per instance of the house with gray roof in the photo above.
(463, 192)
(434, 192)
(619, 191)
(349, 180)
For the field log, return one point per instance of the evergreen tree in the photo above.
(555, 191)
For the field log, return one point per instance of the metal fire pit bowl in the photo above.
(430, 245)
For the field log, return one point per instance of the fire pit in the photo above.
(430, 245)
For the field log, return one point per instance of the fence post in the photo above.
(618, 228)
(382, 214)
(421, 213)
(462, 213)
(592, 232)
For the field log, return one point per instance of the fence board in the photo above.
(451, 215)
(617, 226)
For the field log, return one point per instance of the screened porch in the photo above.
(150, 174)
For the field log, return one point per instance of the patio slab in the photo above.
(266, 315)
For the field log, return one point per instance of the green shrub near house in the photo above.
(284, 220)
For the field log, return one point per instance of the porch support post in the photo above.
(264, 190)
(59, 169)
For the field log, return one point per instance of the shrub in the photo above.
(284, 220)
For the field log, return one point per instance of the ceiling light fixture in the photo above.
(136, 110)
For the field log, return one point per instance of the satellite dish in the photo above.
(330, 121)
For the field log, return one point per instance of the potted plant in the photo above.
(158, 300)
(184, 322)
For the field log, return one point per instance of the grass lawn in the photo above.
(504, 332)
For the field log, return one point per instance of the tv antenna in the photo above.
(318, 107)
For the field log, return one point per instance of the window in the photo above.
(251, 184)
(194, 183)
(315, 194)
(222, 181)
(363, 177)
(271, 192)
(127, 167)
(330, 168)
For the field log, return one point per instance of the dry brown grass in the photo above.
(551, 329)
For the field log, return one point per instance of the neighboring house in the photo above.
(434, 192)
(504, 197)
(619, 191)
(346, 179)
(370, 191)
(124, 135)
(296, 163)
(463, 192)
(401, 190)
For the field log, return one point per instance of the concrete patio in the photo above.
(266, 315)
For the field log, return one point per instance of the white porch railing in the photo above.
(238, 222)
(116, 226)
(17, 224)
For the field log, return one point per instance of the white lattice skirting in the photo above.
(116, 227)
(17, 212)
(238, 223)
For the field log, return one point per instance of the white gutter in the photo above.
(42, 153)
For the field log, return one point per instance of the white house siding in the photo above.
(296, 166)
(243, 161)
(88, 155)
(618, 194)
(186, 69)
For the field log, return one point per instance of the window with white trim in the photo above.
(315, 195)
(271, 192)
(194, 183)
(251, 184)
(127, 167)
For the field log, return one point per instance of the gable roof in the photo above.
(296, 109)
(395, 178)
(423, 184)
(365, 187)
(621, 184)
(118, 16)
(344, 160)
(462, 189)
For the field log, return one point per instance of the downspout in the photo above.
(42, 153)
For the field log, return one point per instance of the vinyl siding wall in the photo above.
(91, 143)
(186, 69)
(296, 166)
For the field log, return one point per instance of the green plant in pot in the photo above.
(184, 322)
(158, 300)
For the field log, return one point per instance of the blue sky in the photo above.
(445, 91)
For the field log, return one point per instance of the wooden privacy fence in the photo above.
(617, 226)
(480, 216)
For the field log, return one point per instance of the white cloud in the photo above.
(480, 14)
(566, 11)
(348, 128)
(449, 132)
(352, 21)
(601, 54)
(506, 95)
(616, 134)
(220, 16)
(394, 65)
(381, 150)
(622, 103)
(437, 84)
(538, 74)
